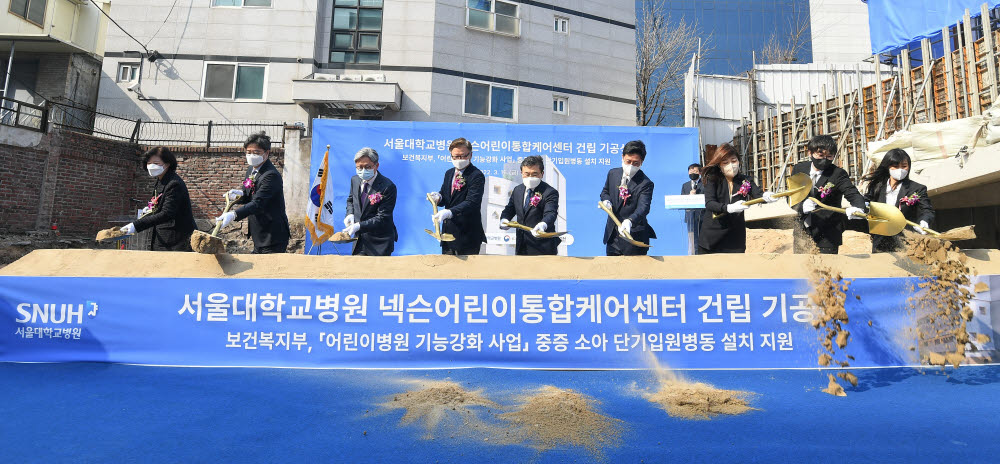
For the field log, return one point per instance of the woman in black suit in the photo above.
(168, 212)
(726, 191)
(891, 184)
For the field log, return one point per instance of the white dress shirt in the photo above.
(892, 195)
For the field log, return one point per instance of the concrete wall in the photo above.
(839, 31)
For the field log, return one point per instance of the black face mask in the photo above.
(822, 163)
(693, 176)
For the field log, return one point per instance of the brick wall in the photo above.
(82, 183)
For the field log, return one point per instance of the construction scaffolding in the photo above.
(956, 73)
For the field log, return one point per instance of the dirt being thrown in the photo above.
(110, 234)
(432, 402)
(554, 416)
(829, 298)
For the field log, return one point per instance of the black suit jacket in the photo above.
(692, 216)
(729, 231)
(827, 227)
(547, 211)
(635, 208)
(171, 220)
(466, 223)
(920, 211)
(264, 204)
(377, 235)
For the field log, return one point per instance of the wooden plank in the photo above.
(879, 109)
(907, 95)
(928, 58)
(949, 73)
(991, 62)
(825, 127)
(971, 79)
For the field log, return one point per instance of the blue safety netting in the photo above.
(895, 23)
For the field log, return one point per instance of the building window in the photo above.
(243, 3)
(128, 72)
(31, 10)
(493, 15)
(561, 25)
(982, 310)
(234, 81)
(357, 31)
(490, 100)
(559, 105)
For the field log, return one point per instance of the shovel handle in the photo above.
(218, 225)
(835, 209)
(619, 224)
(757, 201)
(929, 231)
(437, 225)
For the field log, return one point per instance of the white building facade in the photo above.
(552, 62)
(839, 31)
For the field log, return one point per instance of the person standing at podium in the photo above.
(692, 217)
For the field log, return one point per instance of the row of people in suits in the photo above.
(723, 228)
(260, 199)
(534, 203)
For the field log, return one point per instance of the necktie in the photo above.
(625, 180)
(364, 194)
(527, 199)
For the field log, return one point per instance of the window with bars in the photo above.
(356, 35)
(30, 10)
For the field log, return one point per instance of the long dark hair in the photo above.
(713, 173)
(881, 174)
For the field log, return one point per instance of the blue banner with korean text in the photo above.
(414, 155)
(590, 324)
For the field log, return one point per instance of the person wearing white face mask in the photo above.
(726, 192)
(535, 204)
(168, 212)
(262, 198)
(461, 196)
(831, 185)
(891, 184)
(369, 207)
(628, 193)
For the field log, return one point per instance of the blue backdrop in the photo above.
(590, 324)
(895, 23)
(414, 155)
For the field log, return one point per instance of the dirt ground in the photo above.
(780, 241)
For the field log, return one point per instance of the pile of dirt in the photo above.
(829, 297)
(941, 303)
(779, 241)
(687, 400)
(434, 401)
(110, 234)
(554, 416)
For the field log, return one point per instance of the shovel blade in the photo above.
(885, 219)
(442, 237)
(800, 185)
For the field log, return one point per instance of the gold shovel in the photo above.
(628, 237)
(210, 244)
(882, 219)
(541, 235)
(437, 225)
(797, 188)
(115, 234)
(957, 234)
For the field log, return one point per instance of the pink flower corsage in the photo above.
(910, 200)
(535, 199)
(151, 204)
(248, 183)
(458, 183)
(744, 188)
(623, 193)
(825, 190)
(374, 198)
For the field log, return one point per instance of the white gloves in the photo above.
(920, 229)
(607, 204)
(854, 212)
(226, 218)
(145, 211)
(435, 196)
(441, 216)
(626, 228)
(769, 197)
(504, 224)
(233, 195)
(129, 229)
(737, 207)
(349, 220)
(540, 228)
(808, 206)
(353, 228)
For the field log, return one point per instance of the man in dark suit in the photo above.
(535, 204)
(628, 193)
(369, 207)
(263, 199)
(692, 217)
(462, 197)
(831, 185)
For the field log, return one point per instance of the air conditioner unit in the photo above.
(374, 77)
(350, 77)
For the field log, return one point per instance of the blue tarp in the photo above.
(895, 23)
